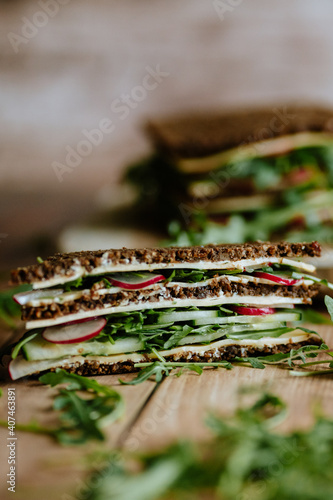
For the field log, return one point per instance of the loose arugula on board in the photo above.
(246, 459)
(84, 407)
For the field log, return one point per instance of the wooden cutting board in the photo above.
(155, 416)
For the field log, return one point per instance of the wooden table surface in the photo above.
(155, 416)
(64, 80)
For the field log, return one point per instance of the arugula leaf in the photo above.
(194, 368)
(254, 362)
(176, 337)
(159, 369)
(310, 315)
(9, 309)
(241, 460)
(297, 373)
(31, 334)
(156, 369)
(80, 418)
(70, 285)
(329, 304)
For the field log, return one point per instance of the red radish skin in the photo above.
(15, 299)
(276, 279)
(9, 371)
(11, 378)
(69, 333)
(278, 306)
(135, 283)
(299, 176)
(252, 311)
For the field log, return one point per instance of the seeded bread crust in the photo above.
(61, 265)
(227, 353)
(196, 135)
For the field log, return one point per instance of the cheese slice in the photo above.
(260, 149)
(108, 266)
(20, 367)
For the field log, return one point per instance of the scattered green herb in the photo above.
(70, 285)
(80, 417)
(158, 369)
(31, 334)
(245, 459)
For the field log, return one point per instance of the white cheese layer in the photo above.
(20, 367)
(155, 288)
(268, 147)
(108, 267)
(272, 300)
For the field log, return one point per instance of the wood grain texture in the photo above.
(63, 81)
(44, 467)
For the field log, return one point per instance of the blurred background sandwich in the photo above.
(254, 174)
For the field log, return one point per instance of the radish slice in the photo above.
(75, 331)
(25, 297)
(134, 281)
(13, 373)
(276, 279)
(252, 311)
(277, 306)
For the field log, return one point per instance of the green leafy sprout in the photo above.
(84, 407)
(247, 458)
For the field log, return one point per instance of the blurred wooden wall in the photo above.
(65, 77)
(69, 66)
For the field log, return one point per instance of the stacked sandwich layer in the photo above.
(242, 176)
(102, 312)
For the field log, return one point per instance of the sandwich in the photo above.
(104, 312)
(258, 174)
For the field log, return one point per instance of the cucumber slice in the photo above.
(156, 326)
(266, 318)
(187, 315)
(38, 348)
(222, 332)
(259, 335)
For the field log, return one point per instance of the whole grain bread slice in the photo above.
(67, 266)
(198, 135)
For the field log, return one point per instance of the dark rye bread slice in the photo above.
(90, 367)
(200, 135)
(63, 265)
(140, 298)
